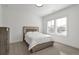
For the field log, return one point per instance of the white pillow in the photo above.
(28, 33)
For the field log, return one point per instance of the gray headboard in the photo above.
(28, 29)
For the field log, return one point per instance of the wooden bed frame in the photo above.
(39, 46)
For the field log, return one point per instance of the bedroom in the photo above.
(16, 16)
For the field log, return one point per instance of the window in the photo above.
(61, 26)
(57, 26)
(50, 26)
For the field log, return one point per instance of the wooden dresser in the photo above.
(4, 40)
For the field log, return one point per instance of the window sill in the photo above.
(54, 34)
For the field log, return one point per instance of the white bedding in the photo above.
(34, 38)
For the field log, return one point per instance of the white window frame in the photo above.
(51, 26)
(64, 34)
(55, 27)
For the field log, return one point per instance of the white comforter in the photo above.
(34, 38)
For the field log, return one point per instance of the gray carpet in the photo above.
(58, 49)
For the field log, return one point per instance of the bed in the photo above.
(35, 40)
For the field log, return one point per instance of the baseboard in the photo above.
(15, 42)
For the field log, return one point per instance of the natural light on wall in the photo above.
(57, 26)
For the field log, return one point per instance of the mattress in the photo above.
(35, 38)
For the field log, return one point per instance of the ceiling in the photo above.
(33, 9)
(50, 8)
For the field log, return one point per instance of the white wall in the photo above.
(16, 17)
(73, 25)
(0, 15)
